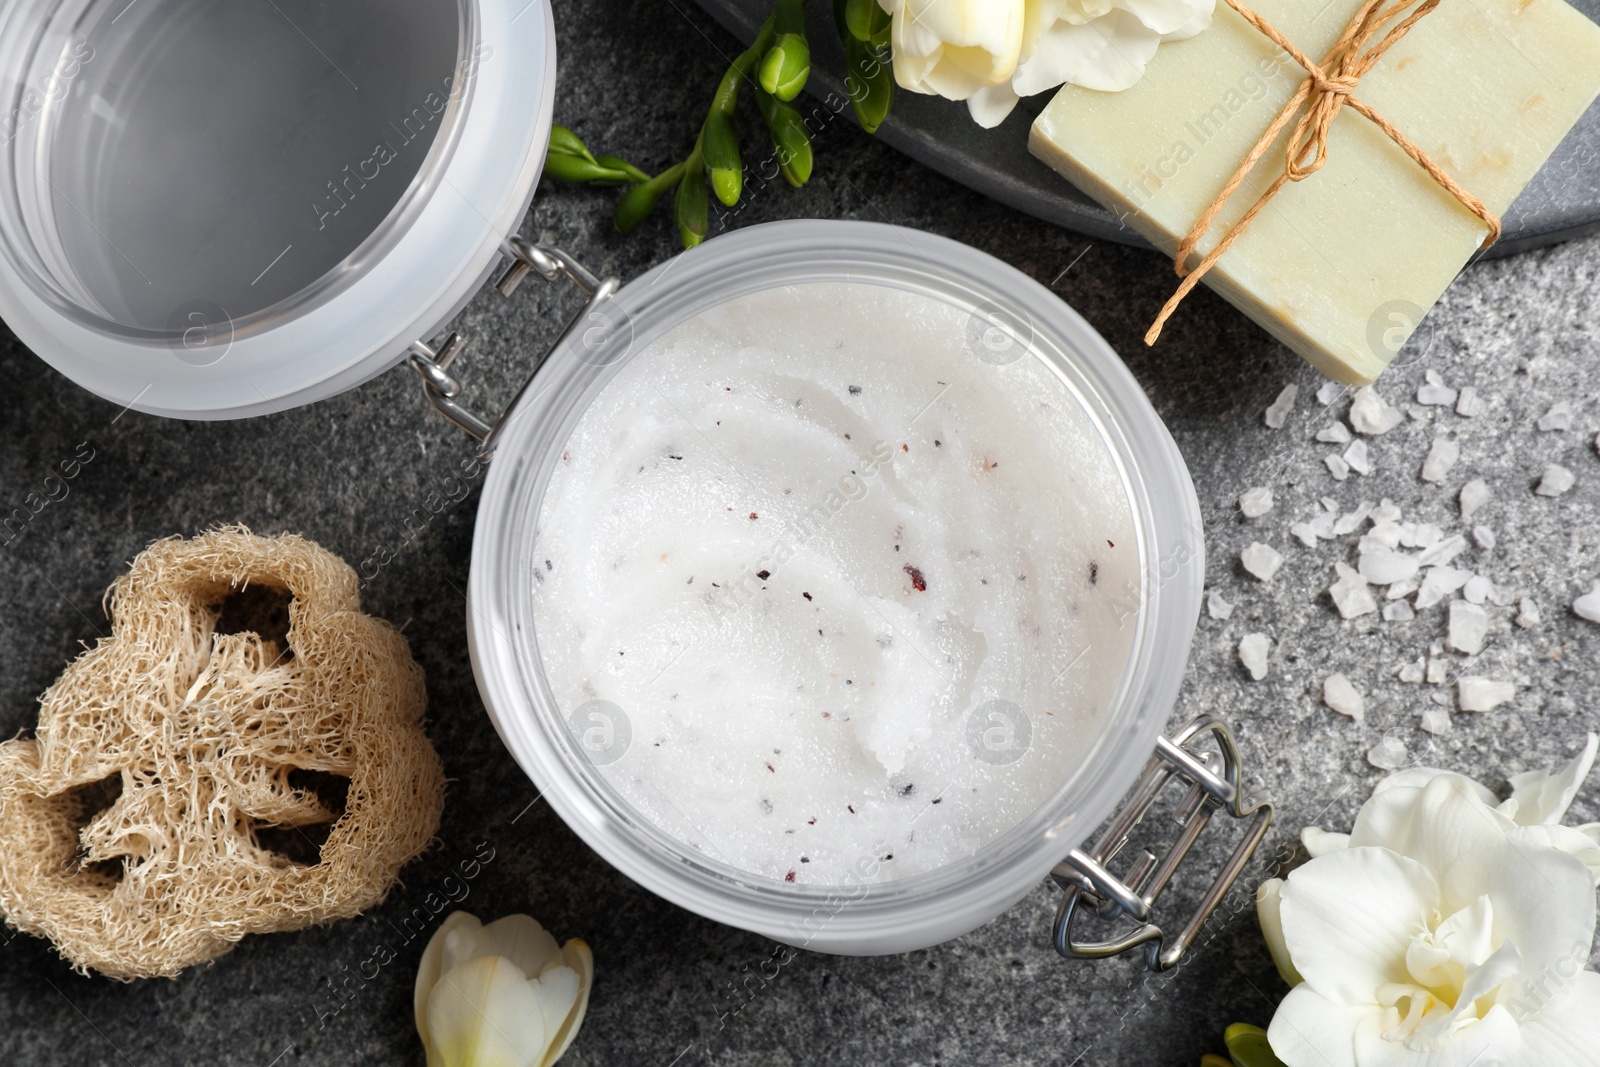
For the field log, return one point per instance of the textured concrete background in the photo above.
(673, 988)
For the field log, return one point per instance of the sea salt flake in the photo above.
(1337, 466)
(1261, 560)
(1335, 433)
(1382, 536)
(1323, 523)
(1278, 413)
(1528, 614)
(1351, 593)
(1483, 694)
(1439, 583)
(1398, 611)
(1469, 405)
(1484, 536)
(1370, 414)
(1441, 457)
(1436, 394)
(1401, 589)
(1356, 455)
(1588, 605)
(1217, 607)
(1436, 721)
(1386, 568)
(1559, 417)
(1420, 534)
(1411, 673)
(1255, 502)
(1432, 377)
(1441, 699)
(1329, 504)
(1253, 649)
(1501, 596)
(1349, 521)
(1438, 671)
(1305, 533)
(1329, 392)
(1477, 589)
(1386, 511)
(1443, 552)
(1469, 626)
(1474, 495)
(1388, 754)
(1557, 480)
(1343, 697)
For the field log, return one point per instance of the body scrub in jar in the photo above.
(834, 582)
(859, 592)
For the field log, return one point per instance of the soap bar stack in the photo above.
(1342, 265)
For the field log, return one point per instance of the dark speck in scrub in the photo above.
(766, 807)
(918, 582)
(671, 456)
(805, 859)
(789, 877)
(1110, 545)
(847, 437)
(907, 789)
(763, 575)
(937, 443)
(549, 566)
(1094, 574)
(806, 595)
(852, 808)
(754, 516)
(855, 390)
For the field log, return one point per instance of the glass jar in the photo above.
(1012, 315)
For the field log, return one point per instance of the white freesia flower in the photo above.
(992, 52)
(1447, 930)
(501, 995)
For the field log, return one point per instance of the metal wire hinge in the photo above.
(432, 363)
(1212, 777)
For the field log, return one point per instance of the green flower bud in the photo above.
(866, 20)
(1248, 1046)
(631, 173)
(787, 66)
(693, 209)
(566, 143)
(720, 149)
(791, 141)
(578, 169)
(636, 205)
(869, 80)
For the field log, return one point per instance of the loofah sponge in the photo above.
(188, 785)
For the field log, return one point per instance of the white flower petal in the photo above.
(1582, 842)
(556, 991)
(1544, 796)
(1489, 1042)
(1108, 54)
(520, 939)
(1309, 1030)
(991, 104)
(1417, 777)
(1348, 917)
(1543, 899)
(1320, 842)
(1435, 824)
(1269, 902)
(433, 965)
(1174, 20)
(1567, 1030)
(576, 955)
(485, 1014)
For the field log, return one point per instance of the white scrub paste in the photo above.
(837, 588)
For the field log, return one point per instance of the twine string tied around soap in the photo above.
(1329, 87)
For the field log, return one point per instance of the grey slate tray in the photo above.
(1562, 201)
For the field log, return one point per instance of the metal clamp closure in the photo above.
(1212, 777)
(433, 364)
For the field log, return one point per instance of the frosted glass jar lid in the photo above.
(220, 210)
(1010, 317)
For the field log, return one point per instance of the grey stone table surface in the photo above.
(672, 988)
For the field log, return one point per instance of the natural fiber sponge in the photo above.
(210, 771)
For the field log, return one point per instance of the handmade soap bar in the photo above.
(1342, 265)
